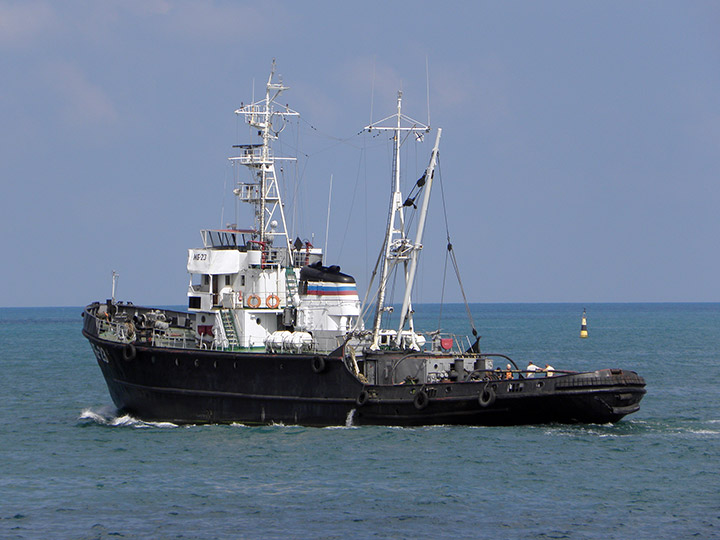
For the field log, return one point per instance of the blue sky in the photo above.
(580, 155)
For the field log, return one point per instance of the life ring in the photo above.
(421, 400)
(487, 396)
(253, 301)
(129, 351)
(318, 364)
(362, 398)
(272, 301)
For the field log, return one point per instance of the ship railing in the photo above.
(127, 323)
(512, 371)
(308, 348)
(516, 374)
(198, 289)
(264, 300)
(125, 332)
(248, 192)
(184, 341)
(120, 331)
(253, 155)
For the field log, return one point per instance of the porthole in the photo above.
(197, 362)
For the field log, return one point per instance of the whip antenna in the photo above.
(427, 82)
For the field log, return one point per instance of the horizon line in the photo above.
(519, 302)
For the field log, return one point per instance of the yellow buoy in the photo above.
(583, 326)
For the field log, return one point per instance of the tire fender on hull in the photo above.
(318, 364)
(129, 352)
(487, 396)
(421, 400)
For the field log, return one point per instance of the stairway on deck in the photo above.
(291, 286)
(231, 334)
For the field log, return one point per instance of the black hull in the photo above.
(201, 386)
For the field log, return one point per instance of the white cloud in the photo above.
(80, 101)
(235, 21)
(22, 23)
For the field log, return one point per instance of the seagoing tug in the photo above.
(274, 335)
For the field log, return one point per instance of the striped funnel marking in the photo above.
(331, 289)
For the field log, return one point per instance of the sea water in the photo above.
(72, 468)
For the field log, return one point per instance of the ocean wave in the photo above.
(638, 427)
(704, 432)
(107, 416)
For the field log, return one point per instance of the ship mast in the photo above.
(265, 193)
(397, 247)
(406, 311)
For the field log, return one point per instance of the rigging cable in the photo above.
(442, 291)
(352, 202)
(338, 140)
(454, 261)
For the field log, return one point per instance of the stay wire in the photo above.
(454, 260)
(338, 140)
(352, 202)
(442, 291)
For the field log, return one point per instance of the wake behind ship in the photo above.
(274, 335)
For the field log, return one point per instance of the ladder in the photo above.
(291, 286)
(230, 331)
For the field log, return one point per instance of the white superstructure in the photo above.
(252, 288)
